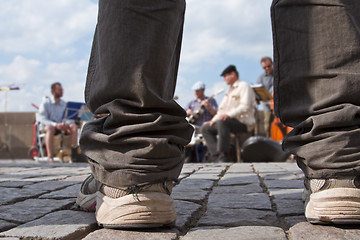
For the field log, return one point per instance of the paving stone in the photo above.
(307, 231)
(61, 171)
(278, 171)
(48, 186)
(238, 189)
(213, 168)
(16, 177)
(156, 234)
(184, 211)
(193, 184)
(208, 173)
(240, 201)
(286, 193)
(267, 167)
(15, 184)
(32, 209)
(281, 176)
(238, 179)
(57, 225)
(236, 233)
(293, 220)
(8, 169)
(184, 193)
(237, 217)
(190, 168)
(236, 205)
(291, 167)
(289, 207)
(77, 179)
(4, 225)
(47, 178)
(206, 176)
(240, 168)
(11, 195)
(69, 192)
(284, 184)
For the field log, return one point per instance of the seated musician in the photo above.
(199, 110)
(202, 108)
(51, 113)
(236, 114)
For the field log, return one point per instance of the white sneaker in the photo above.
(334, 201)
(144, 206)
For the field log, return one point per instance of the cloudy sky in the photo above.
(48, 41)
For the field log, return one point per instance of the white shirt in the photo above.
(50, 112)
(238, 103)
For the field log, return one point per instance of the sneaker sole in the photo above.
(143, 210)
(334, 206)
(86, 202)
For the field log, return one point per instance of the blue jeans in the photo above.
(317, 83)
(132, 76)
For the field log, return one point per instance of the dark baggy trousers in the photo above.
(131, 76)
(317, 83)
(217, 136)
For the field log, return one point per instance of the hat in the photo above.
(229, 69)
(198, 86)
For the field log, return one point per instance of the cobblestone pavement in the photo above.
(213, 201)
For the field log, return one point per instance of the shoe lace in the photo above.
(136, 189)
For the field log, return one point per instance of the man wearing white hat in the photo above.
(199, 110)
(202, 108)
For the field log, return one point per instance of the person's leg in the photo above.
(217, 137)
(210, 136)
(224, 129)
(317, 81)
(132, 76)
(76, 154)
(74, 134)
(267, 122)
(49, 141)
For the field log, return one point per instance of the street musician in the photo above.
(199, 110)
(202, 108)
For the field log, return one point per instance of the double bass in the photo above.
(277, 129)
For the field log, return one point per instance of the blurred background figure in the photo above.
(236, 114)
(51, 113)
(198, 111)
(266, 79)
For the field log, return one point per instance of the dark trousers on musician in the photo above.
(217, 136)
(132, 76)
(317, 83)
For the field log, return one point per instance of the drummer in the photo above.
(202, 108)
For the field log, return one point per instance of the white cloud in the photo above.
(216, 31)
(234, 27)
(19, 70)
(31, 26)
(46, 41)
(35, 78)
